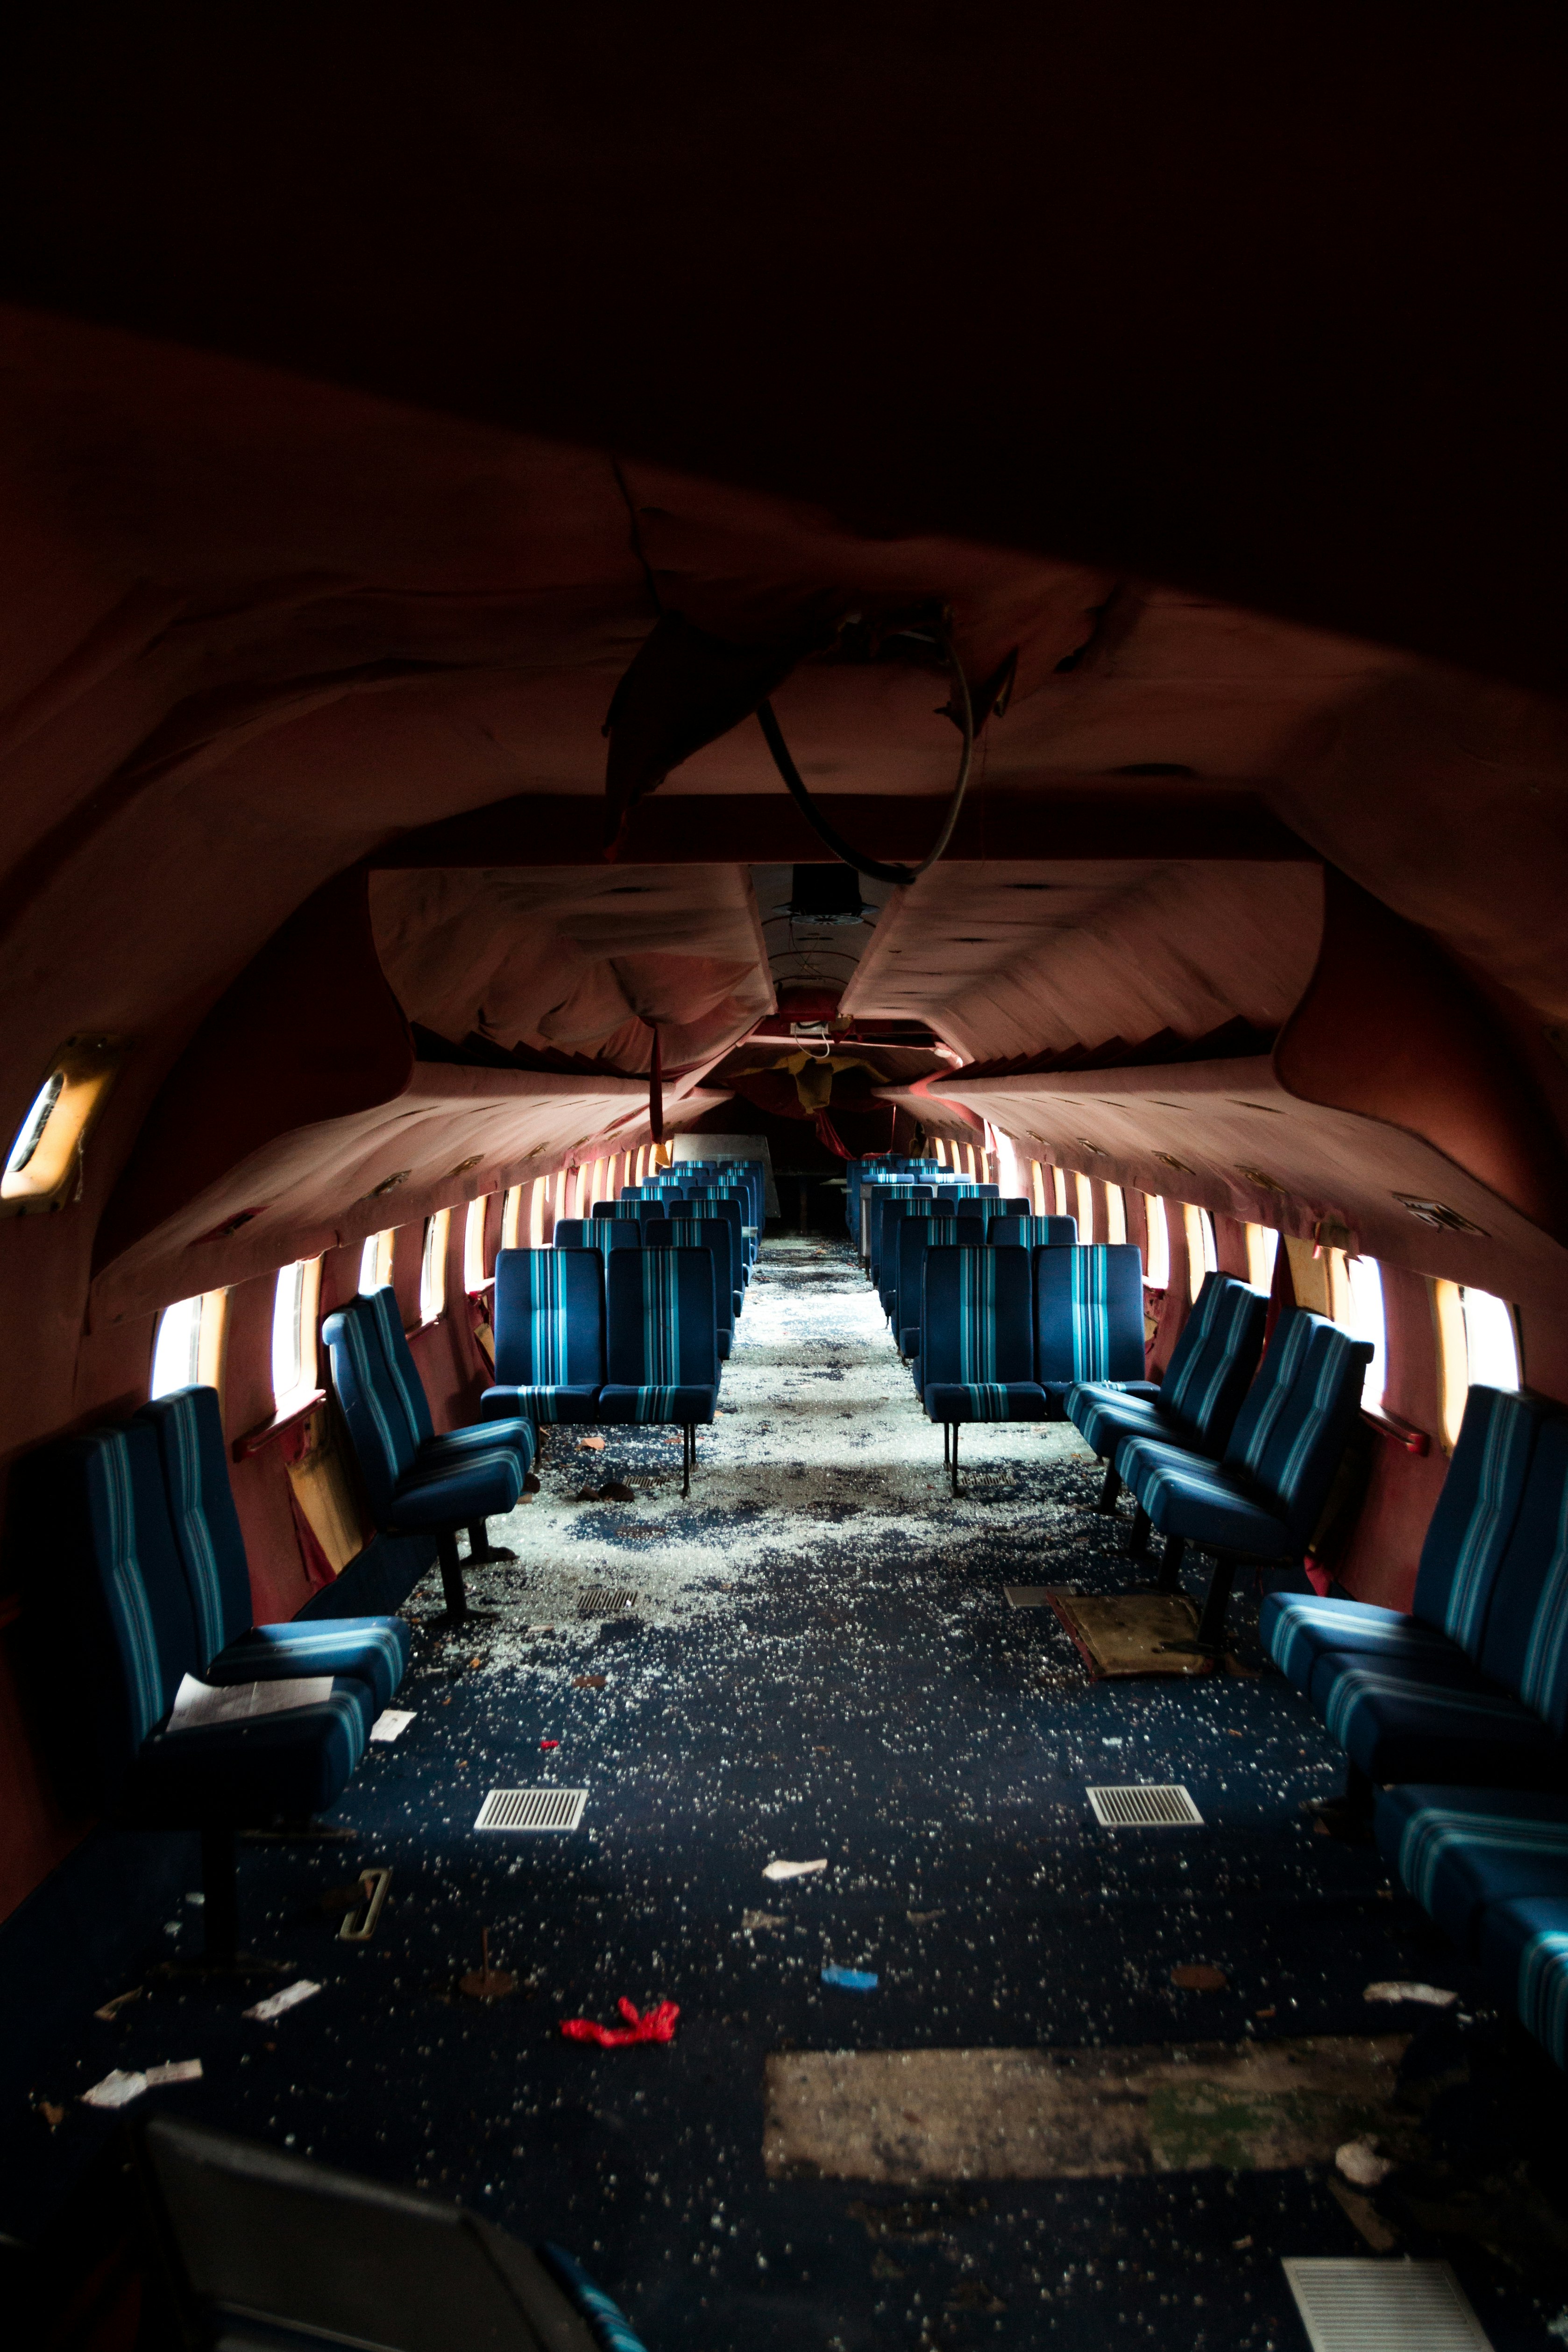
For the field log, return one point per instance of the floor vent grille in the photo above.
(532, 1808)
(1355, 2305)
(1147, 1805)
(606, 1601)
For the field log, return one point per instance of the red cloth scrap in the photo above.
(657, 2024)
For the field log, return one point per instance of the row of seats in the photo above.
(630, 1336)
(141, 1518)
(881, 1204)
(862, 1175)
(1233, 1456)
(1453, 1718)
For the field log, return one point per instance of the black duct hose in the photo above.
(872, 867)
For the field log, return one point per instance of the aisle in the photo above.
(819, 1665)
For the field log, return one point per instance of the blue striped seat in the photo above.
(604, 1234)
(115, 1566)
(1262, 1499)
(1198, 1400)
(1523, 1952)
(415, 1482)
(188, 1426)
(733, 1209)
(1089, 1320)
(1459, 1850)
(915, 1236)
(613, 1209)
(975, 1348)
(1466, 1540)
(714, 1235)
(661, 1353)
(1492, 1714)
(1013, 1228)
(549, 1336)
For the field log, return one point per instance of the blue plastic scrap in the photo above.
(850, 1980)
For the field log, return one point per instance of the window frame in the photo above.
(1156, 1222)
(376, 1257)
(432, 1265)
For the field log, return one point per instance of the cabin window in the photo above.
(1158, 1252)
(941, 1153)
(1037, 1188)
(1355, 1289)
(598, 1193)
(1478, 1346)
(1262, 1249)
(376, 1262)
(188, 1347)
(539, 1197)
(511, 1216)
(433, 1267)
(641, 1164)
(1116, 1215)
(1083, 1208)
(294, 1303)
(43, 1165)
(1202, 1257)
(473, 1267)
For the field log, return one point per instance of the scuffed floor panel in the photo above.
(908, 2119)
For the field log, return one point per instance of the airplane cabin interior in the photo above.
(784, 1225)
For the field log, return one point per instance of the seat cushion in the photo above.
(369, 1650)
(1103, 1414)
(540, 1404)
(445, 1494)
(985, 1401)
(1058, 1392)
(1187, 1494)
(1459, 1849)
(1297, 1629)
(453, 1447)
(280, 1767)
(1524, 1950)
(657, 1404)
(1433, 1718)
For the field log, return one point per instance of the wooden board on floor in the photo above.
(1132, 1633)
(911, 2117)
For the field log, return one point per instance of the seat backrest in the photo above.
(622, 1208)
(887, 1214)
(1089, 1313)
(1471, 1529)
(549, 1319)
(377, 1422)
(1526, 1645)
(663, 1329)
(1214, 1359)
(108, 1521)
(402, 1370)
(915, 1236)
(188, 1428)
(1291, 1449)
(1014, 1231)
(604, 1234)
(976, 1325)
(1010, 1204)
(711, 1233)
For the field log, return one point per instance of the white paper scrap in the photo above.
(391, 1721)
(277, 2003)
(1395, 1988)
(116, 2090)
(183, 2070)
(197, 1703)
(794, 1869)
(1359, 2161)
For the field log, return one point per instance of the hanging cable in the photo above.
(872, 867)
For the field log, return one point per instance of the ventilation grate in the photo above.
(1147, 1805)
(532, 1808)
(1355, 2305)
(606, 1601)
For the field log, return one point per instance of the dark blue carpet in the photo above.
(823, 1664)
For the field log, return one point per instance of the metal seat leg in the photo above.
(482, 1552)
(1170, 1566)
(1110, 1487)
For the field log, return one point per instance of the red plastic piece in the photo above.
(656, 2024)
(550, 1743)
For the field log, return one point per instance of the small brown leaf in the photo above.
(588, 1681)
(1197, 1975)
(54, 2117)
(590, 1445)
